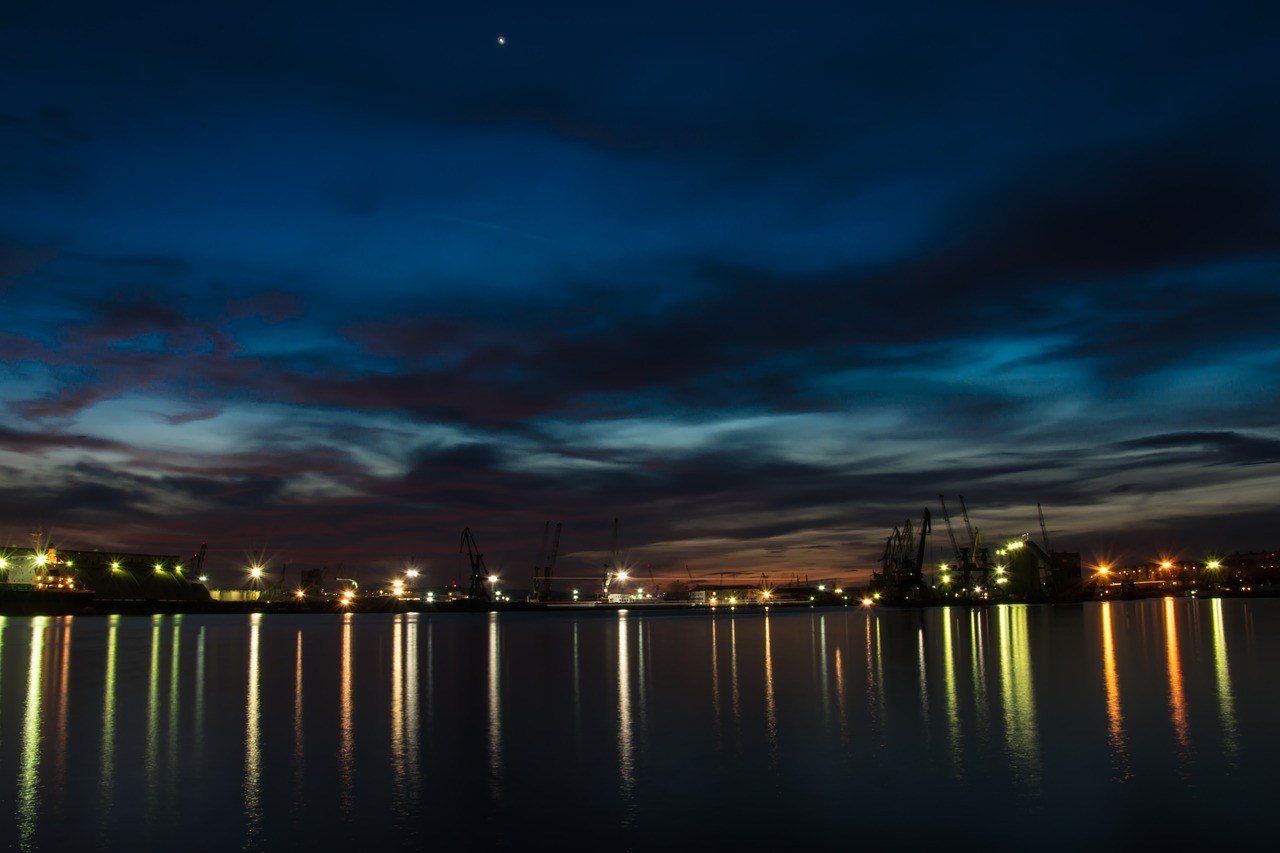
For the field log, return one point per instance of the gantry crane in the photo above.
(902, 578)
(611, 567)
(955, 546)
(542, 584)
(538, 561)
(479, 576)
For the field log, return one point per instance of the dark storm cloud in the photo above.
(19, 441)
(1216, 448)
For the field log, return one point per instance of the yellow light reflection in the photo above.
(1018, 697)
(1177, 699)
(1115, 717)
(109, 715)
(174, 705)
(63, 658)
(949, 676)
(153, 716)
(404, 714)
(299, 766)
(346, 745)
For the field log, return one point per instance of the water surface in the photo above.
(1102, 725)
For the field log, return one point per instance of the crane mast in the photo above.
(611, 567)
(965, 511)
(544, 592)
(537, 566)
(925, 529)
(479, 592)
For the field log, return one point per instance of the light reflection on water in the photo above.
(1226, 702)
(253, 739)
(275, 731)
(1115, 713)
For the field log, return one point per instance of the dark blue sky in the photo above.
(333, 281)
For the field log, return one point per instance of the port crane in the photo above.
(901, 577)
(479, 575)
(961, 556)
(542, 573)
(611, 569)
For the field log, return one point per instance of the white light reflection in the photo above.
(626, 767)
(577, 689)
(495, 709)
(735, 699)
(924, 681)
(977, 665)
(1226, 700)
(28, 805)
(198, 734)
(715, 690)
(397, 707)
(252, 742)
(822, 673)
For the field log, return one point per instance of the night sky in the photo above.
(329, 282)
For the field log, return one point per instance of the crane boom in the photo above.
(478, 574)
(613, 548)
(965, 511)
(541, 560)
(955, 546)
(1043, 533)
(545, 592)
(925, 529)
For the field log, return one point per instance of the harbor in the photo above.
(43, 579)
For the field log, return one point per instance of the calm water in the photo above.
(1099, 725)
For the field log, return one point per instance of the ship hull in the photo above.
(44, 602)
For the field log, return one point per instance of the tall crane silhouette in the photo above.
(955, 546)
(542, 584)
(479, 575)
